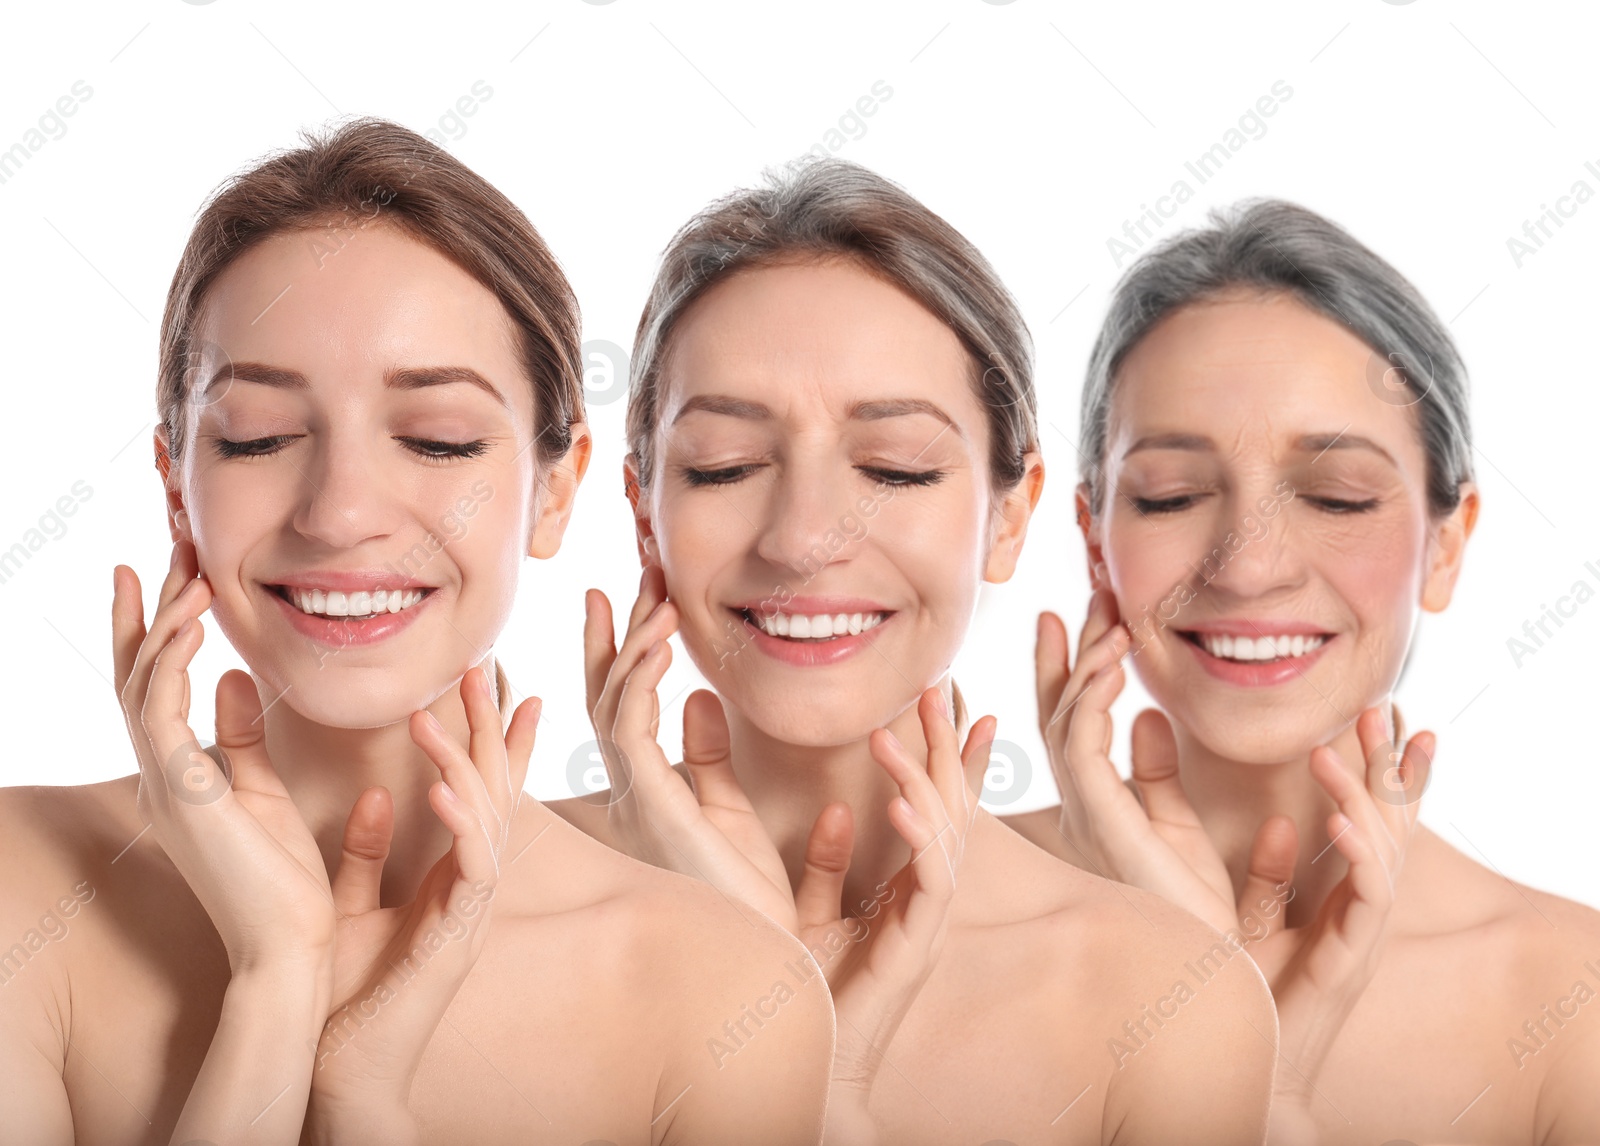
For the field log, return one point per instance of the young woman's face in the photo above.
(821, 505)
(367, 444)
(1263, 489)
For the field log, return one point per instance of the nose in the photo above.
(1251, 555)
(345, 498)
(808, 520)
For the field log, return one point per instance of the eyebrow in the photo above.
(397, 378)
(865, 411)
(1318, 444)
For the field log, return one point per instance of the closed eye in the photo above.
(726, 475)
(903, 477)
(425, 448)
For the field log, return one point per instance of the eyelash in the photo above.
(266, 447)
(1329, 504)
(731, 474)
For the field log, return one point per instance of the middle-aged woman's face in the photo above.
(1263, 490)
(821, 505)
(386, 422)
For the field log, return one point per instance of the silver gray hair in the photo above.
(1276, 246)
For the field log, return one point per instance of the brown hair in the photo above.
(371, 170)
(820, 208)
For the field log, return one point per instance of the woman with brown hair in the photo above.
(833, 447)
(371, 411)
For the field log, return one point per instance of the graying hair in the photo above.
(1278, 246)
(819, 208)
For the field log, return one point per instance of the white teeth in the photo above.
(815, 627)
(1258, 648)
(362, 603)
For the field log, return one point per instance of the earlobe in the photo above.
(1448, 550)
(1015, 510)
(177, 516)
(1089, 526)
(643, 527)
(561, 492)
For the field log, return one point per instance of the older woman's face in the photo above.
(821, 504)
(1267, 534)
(365, 451)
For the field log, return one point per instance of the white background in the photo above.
(1430, 131)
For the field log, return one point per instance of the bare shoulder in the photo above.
(1177, 1017)
(739, 1015)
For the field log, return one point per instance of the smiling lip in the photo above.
(810, 653)
(1256, 674)
(345, 632)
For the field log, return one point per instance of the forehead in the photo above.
(352, 294)
(818, 336)
(1246, 366)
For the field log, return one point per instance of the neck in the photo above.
(325, 769)
(1233, 798)
(789, 785)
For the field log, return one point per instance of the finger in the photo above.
(521, 734)
(367, 834)
(486, 741)
(1086, 756)
(1102, 618)
(1096, 658)
(1050, 667)
(192, 600)
(657, 627)
(165, 719)
(473, 849)
(641, 767)
(917, 791)
(1351, 795)
(457, 768)
(1271, 870)
(1368, 877)
(1155, 770)
(975, 761)
(599, 646)
(828, 848)
(652, 592)
(945, 761)
(935, 871)
(708, 752)
(127, 624)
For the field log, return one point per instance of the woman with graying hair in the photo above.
(1275, 481)
(833, 447)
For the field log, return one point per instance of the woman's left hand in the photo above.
(373, 1042)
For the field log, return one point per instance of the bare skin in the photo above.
(1008, 1025)
(1425, 1041)
(196, 981)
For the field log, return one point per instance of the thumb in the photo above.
(707, 752)
(828, 849)
(242, 735)
(1266, 885)
(1155, 769)
(367, 833)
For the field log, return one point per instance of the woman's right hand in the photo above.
(711, 831)
(235, 836)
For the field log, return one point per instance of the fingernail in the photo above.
(434, 721)
(186, 626)
(450, 795)
(944, 705)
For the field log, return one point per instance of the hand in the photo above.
(1156, 841)
(398, 968)
(233, 832)
(891, 944)
(709, 831)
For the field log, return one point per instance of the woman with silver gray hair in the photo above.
(1275, 479)
(833, 447)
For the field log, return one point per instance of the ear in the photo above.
(1012, 516)
(177, 516)
(560, 492)
(643, 527)
(1446, 549)
(1093, 543)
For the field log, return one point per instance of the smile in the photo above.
(356, 605)
(1256, 650)
(813, 626)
